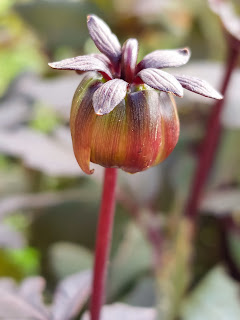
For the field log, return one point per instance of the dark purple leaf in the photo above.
(221, 202)
(71, 294)
(52, 155)
(165, 59)
(82, 63)
(129, 59)
(13, 306)
(104, 39)
(31, 290)
(109, 95)
(119, 311)
(225, 10)
(199, 86)
(161, 80)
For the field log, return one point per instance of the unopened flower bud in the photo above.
(123, 114)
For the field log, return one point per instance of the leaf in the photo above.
(109, 95)
(133, 257)
(25, 302)
(165, 59)
(55, 93)
(31, 290)
(104, 39)
(198, 86)
(13, 112)
(119, 311)
(41, 200)
(70, 296)
(68, 258)
(14, 307)
(216, 297)
(82, 63)
(161, 80)
(143, 294)
(51, 156)
(222, 202)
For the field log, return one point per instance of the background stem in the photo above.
(210, 142)
(103, 241)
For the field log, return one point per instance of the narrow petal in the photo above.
(199, 86)
(165, 59)
(129, 59)
(109, 95)
(82, 119)
(104, 39)
(161, 80)
(82, 63)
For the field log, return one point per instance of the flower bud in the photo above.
(123, 112)
(140, 132)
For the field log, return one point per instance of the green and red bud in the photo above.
(139, 133)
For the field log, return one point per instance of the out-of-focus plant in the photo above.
(26, 301)
(19, 49)
(231, 25)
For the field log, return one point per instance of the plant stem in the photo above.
(103, 242)
(210, 142)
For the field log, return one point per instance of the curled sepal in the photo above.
(83, 63)
(129, 59)
(161, 80)
(165, 59)
(109, 95)
(104, 39)
(82, 119)
(199, 86)
(135, 136)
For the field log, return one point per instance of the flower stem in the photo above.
(103, 242)
(210, 142)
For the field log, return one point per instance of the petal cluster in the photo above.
(138, 127)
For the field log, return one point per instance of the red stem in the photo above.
(103, 242)
(210, 142)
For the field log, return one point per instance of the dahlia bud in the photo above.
(123, 113)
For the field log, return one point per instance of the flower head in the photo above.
(123, 112)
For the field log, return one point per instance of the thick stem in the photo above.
(210, 142)
(103, 242)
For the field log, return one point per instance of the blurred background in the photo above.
(49, 208)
